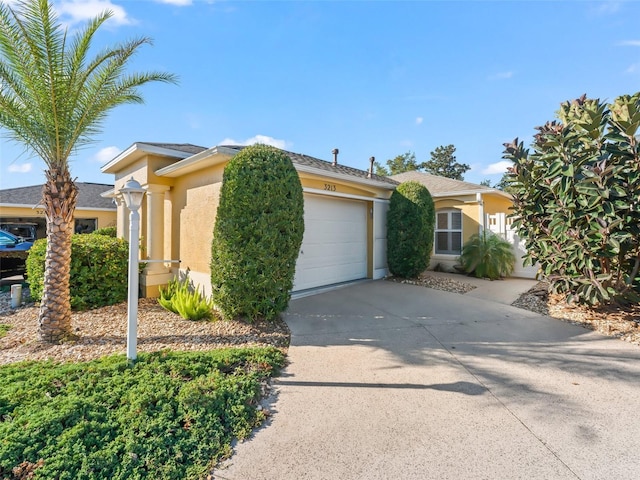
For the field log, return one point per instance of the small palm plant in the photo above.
(488, 256)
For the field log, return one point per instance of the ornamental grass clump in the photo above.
(488, 256)
(178, 297)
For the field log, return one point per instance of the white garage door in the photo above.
(334, 247)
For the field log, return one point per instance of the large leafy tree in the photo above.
(54, 98)
(577, 199)
(399, 164)
(443, 163)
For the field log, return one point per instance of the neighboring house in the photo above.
(462, 210)
(93, 211)
(345, 213)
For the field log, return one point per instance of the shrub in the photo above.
(576, 199)
(257, 234)
(488, 256)
(410, 225)
(172, 415)
(108, 231)
(178, 297)
(99, 266)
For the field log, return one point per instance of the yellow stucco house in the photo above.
(345, 214)
(23, 205)
(462, 210)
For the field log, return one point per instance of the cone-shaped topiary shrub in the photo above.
(488, 256)
(257, 234)
(99, 268)
(410, 224)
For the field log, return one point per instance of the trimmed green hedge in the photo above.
(257, 234)
(410, 226)
(108, 231)
(99, 270)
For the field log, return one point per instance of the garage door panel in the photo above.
(334, 248)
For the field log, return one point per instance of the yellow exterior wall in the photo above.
(337, 187)
(470, 213)
(471, 219)
(194, 204)
(190, 207)
(497, 204)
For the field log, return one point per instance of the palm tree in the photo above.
(53, 100)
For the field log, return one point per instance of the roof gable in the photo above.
(443, 186)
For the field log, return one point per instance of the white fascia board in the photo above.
(109, 193)
(207, 158)
(90, 209)
(40, 206)
(137, 150)
(343, 176)
(19, 205)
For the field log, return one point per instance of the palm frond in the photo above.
(53, 97)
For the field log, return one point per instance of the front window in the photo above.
(448, 232)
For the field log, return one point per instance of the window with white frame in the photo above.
(448, 234)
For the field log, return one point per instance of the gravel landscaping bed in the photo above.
(102, 332)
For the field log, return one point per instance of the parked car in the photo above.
(28, 231)
(13, 254)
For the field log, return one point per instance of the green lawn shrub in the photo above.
(99, 270)
(108, 231)
(410, 226)
(172, 415)
(257, 235)
(488, 256)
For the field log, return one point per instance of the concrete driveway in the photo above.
(393, 381)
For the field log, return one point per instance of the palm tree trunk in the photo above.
(60, 197)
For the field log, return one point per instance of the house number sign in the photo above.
(330, 187)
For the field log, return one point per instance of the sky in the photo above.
(371, 78)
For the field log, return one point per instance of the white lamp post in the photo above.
(132, 194)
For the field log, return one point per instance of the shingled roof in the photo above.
(88, 196)
(440, 186)
(301, 159)
(180, 147)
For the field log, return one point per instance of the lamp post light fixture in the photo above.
(132, 194)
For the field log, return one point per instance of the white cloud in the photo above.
(179, 3)
(629, 43)
(20, 167)
(106, 155)
(274, 142)
(633, 68)
(78, 11)
(498, 167)
(419, 120)
(607, 8)
(501, 76)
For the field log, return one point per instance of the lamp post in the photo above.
(132, 194)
